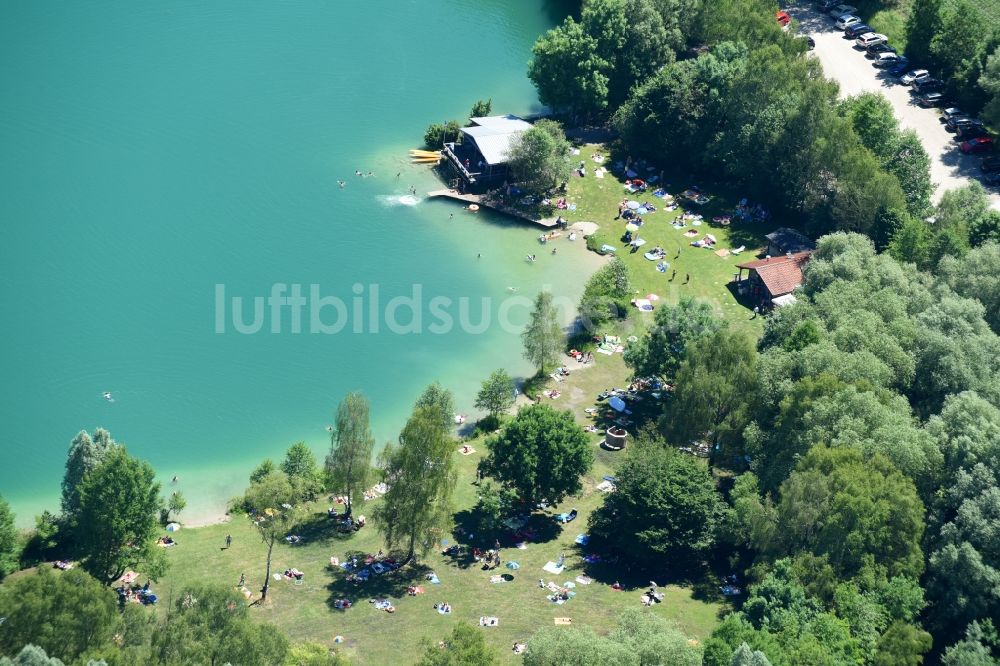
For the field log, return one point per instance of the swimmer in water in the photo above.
(370, 174)
(329, 428)
(341, 183)
(512, 290)
(553, 250)
(175, 479)
(108, 396)
(531, 258)
(357, 172)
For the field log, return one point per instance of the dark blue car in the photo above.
(900, 68)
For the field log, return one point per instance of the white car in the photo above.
(871, 39)
(915, 75)
(885, 59)
(847, 20)
(840, 10)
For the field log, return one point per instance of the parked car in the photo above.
(926, 85)
(971, 131)
(931, 99)
(847, 20)
(871, 39)
(901, 67)
(990, 164)
(842, 10)
(952, 112)
(915, 75)
(876, 49)
(981, 144)
(958, 122)
(783, 18)
(855, 30)
(886, 59)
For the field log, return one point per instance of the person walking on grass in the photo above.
(229, 541)
(687, 278)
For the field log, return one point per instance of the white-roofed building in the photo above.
(481, 157)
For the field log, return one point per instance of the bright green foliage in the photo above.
(465, 645)
(967, 431)
(65, 614)
(744, 655)
(270, 504)
(541, 454)
(605, 292)
(420, 473)
(902, 645)
(31, 655)
(664, 510)
(639, 639)
(543, 338)
(10, 546)
(495, 504)
(302, 471)
(175, 504)
(825, 411)
(839, 504)
(676, 327)
(567, 70)
(976, 648)
(349, 462)
(964, 568)
(990, 82)
(440, 402)
(116, 517)
(210, 624)
(540, 157)
(482, 108)
(264, 469)
(496, 395)
(438, 134)
(85, 454)
(911, 243)
(714, 393)
(977, 275)
(900, 153)
(956, 50)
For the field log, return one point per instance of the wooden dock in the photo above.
(477, 199)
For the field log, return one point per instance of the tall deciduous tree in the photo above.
(210, 624)
(303, 472)
(923, 23)
(659, 353)
(9, 543)
(664, 509)
(567, 70)
(496, 395)
(119, 502)
(465, 645)
(349, 463)
(837, 503)
(541, 454)
(65, 614)
(439, 400)
(271, 505)
(85, 454)
(543, 337)
(420, 474)
(714, 393)
(539, 157)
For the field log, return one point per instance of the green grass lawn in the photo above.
(305, 611)
(375, 637)
(597, 201)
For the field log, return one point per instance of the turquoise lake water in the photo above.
(152, 152)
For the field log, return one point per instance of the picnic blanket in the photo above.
(497, 579)
(605, 486)
(582, 539)
(562, 621)
(722, 253)
(554, 568)
(432, 577)
(489, 621)
(584, 580)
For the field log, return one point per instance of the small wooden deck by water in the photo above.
(455, 195)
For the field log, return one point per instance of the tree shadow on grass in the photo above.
(390, 585)
(319, 527)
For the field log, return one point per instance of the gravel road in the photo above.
(854, 73)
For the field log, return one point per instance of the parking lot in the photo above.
(855, 74)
